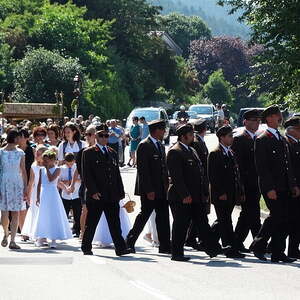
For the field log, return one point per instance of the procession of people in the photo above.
(49, 172)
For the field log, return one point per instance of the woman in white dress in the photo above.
(52, 221)
(71, 142)
(31, 215)
(13, 186)
(102, 235)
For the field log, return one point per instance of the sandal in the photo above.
(4, 242)
(14, 246)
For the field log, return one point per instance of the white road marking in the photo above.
(148, 289)
(97, 260)
(36, 260)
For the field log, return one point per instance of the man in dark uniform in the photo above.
(243, 148)
(277, 185)
(105, 189)
(187, 195)
(226, 190)
(151, 184)
(292, 127)
(200, 127)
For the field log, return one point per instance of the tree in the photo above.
(184, 29)
(217, 89)
(42, 72)
(275, 25)
(6, 67)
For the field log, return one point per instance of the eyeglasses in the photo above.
(103, 135)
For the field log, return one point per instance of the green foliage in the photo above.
(184, 29)
(42, 72)
(275, 25)
(217, 89)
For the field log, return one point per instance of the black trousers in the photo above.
(294, 226)
(75, 205)
(111, 210)
(183, 214)
(162, 221)
(275, 225)
(223, 227)
(249, 219)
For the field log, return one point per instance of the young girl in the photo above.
(52, 221)
(30, 220)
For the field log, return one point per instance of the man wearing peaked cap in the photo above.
(187, 195)
(292, 134)
(277, 185)
(151, 185)
(243, 147)
(200, 127)
(226, 190)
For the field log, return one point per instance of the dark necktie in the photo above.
(159, 148)
(254, 138)
(70, 174)
(278, 134)
(105, 152)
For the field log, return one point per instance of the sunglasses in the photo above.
(103, 135)
(89, 134)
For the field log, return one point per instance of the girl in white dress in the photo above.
(30, 219)
(102, 235)
(52, 221)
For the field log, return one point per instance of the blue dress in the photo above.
(135, 133)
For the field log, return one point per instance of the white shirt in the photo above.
(74, 148)
(201, 137)
(221, 114)
(102, 148)
(251, 133)
(154, 141)
(185, 146)
(274, 132)
(64, 175)
(226, 149)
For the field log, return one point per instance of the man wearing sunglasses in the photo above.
(243, 147)
(225, 189)
(102, 178)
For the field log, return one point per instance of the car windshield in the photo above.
(202, 110)
(192, 114)
(149, 115)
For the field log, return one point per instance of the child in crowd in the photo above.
(69, 193)
(52, 221)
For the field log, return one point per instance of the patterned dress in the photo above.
(11, 181)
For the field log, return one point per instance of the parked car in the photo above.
(150, 114)
(174, 121)
(207, 112)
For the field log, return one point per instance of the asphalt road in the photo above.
(65, 273)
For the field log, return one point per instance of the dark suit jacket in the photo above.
(201, 150)
(273, 164)
(224, 177)
(187, 173)
(152, 174)
(102, 175)
(243, 147)
(294, 148)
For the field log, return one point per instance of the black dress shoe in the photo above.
(232, 253)
(282, 258)
(130, 246)
(260, 256)
(195, 246)
(294, 255)
(243, 249)
(123, 252)
(88, 253)
(164, 251)
(180, 258)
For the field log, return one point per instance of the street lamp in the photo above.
(77, 93)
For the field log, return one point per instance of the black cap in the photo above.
(157, 124)
(294, 121)
(184, 129)
(271, 110)
(251, 113)
(224, 130)
(200, 125)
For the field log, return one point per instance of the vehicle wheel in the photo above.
(167, 140)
